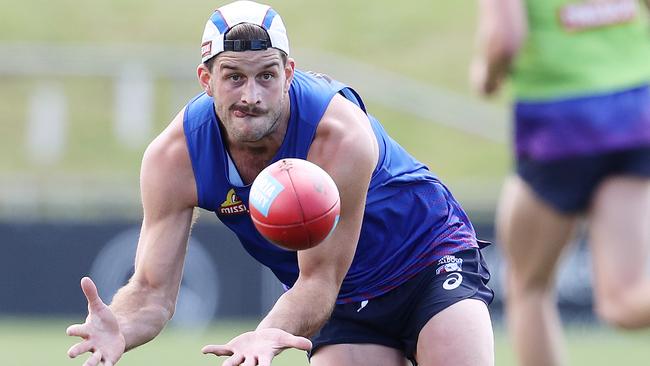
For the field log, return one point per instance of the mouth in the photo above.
(240, 112)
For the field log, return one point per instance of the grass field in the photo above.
(43, 342)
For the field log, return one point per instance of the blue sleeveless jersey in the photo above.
(411, 220)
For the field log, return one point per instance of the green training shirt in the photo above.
(582, 47)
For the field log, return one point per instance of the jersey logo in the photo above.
(585, 15)
(232, 205)
(453, 281)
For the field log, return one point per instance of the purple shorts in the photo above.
(566, 148)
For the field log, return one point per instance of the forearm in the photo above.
(502, 30)
(495, 53)
(141, 313)
(302, 310)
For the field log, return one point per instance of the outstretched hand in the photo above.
(257, 348)
(101, 332)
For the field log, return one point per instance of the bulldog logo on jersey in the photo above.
(233, 205)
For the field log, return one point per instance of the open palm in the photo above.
(257, 347)
(101, 332)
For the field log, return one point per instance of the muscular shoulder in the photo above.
(166, 172)
(345, 144)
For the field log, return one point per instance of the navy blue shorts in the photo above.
(568, 184)
(396, 318)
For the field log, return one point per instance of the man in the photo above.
(580, 75)
(380, 289)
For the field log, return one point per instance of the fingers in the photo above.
(250, 361)
(290, 340)
(79, 348)
(264, 360)
(94, 359)
(77, 330)
(235, 360)
(90, 291)
(219, 350)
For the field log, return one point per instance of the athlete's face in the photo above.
(250, 91)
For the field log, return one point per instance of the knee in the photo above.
(539, 287)
(613, 309)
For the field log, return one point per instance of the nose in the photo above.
(250, 93)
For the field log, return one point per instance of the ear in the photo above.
(205, 77)
(289, 70)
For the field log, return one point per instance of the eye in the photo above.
(234, 77)
(267, 76)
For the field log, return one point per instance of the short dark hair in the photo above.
(246, 32)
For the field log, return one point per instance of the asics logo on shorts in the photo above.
(453, 281)
(363, 305)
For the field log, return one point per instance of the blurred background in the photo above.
(85, 85)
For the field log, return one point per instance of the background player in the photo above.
(580, 75)
(379, 290)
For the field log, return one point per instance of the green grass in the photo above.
(43, 342)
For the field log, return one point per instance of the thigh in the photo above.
(358, 354)
(452, 313)
(620, 233)
(531, 233)
(460, 335)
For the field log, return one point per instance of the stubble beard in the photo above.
(271, 119)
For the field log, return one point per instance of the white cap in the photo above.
(228, 16)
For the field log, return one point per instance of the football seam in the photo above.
(295, 224)
(302, 209)
(295, 194)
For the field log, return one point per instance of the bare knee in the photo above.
(538, 287)
(613, 309)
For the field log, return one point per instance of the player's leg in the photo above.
(459, 335)
(367, 332)
(620, 243)
(358, 354)
(451, 324)
(532, 236)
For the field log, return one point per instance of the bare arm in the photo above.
(346, 148)
(147, 302)
(141, 308)
(502, 28)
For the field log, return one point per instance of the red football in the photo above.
(294, 204)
